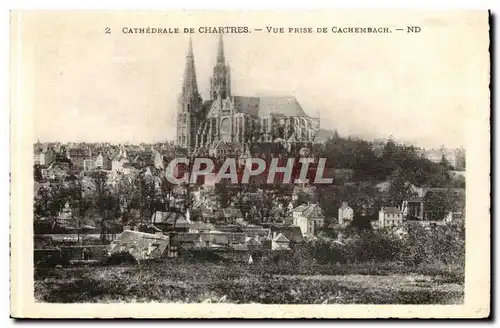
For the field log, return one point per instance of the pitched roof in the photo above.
(313, 211)
(168, 218)
(288, 106)
(292, 233)
(207, 212)
(300, 208)
(79, 152)
(228, 228)
(248, 105)
(264, 106)
(201, 226)
(392, 210)
(255, 231)
(139, 244)
(231, 212)
(253, 242)
(281, 238)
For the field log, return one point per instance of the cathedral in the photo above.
(225, 118)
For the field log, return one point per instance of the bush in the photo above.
(120, 258)
(443, 245)
(203, 254)
(45, 258)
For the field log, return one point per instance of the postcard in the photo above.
(250, 164)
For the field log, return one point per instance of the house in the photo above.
(55, 171)
(253, 243)
(257, 232)
(170, 221)
(455, 157)
(346, 213)
(389, 217)
(77, 156)
(130, 168)
(144, 158)
(280, 243)
(293, 234)
(207, 213)
(230, 214)
(213, 239)
(223, 149)
(120, 160)
(416, 209)
(195, 227)
(65, 215)
(158, 160)
(308, 218)
(141, 245)
(43, 156)
(228, 228)
(103, 162)
(89, 164)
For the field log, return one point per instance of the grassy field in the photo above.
(241, 283)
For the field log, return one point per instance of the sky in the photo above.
(86, 85)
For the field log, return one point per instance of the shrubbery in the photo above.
(120, 258)
(443, 245)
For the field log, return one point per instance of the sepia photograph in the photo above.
(250, 159)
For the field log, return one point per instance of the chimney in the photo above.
(127, 227)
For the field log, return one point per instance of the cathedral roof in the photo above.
(263, 106)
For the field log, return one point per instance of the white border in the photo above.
(148, 4)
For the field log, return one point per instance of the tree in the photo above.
(105, 201)
(166, 190)
(37, 172)
(445, 163)
(145, 187)
(264, 203)
(81, 203)
(400, 190)
(440, 202)
(125, 192)
(223, 194)
(50, 200)
(303, 198)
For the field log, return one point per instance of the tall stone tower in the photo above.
(189, 105)
(220, 82)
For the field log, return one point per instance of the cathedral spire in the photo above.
(220, 83)
(220, 51)
(190, 47)
(190, 86)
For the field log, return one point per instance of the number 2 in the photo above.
(107, 30)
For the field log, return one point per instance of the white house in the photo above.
(309, 218)
(280, 242)
(390, 217)
(346, 213)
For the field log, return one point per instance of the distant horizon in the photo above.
(385, 139)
